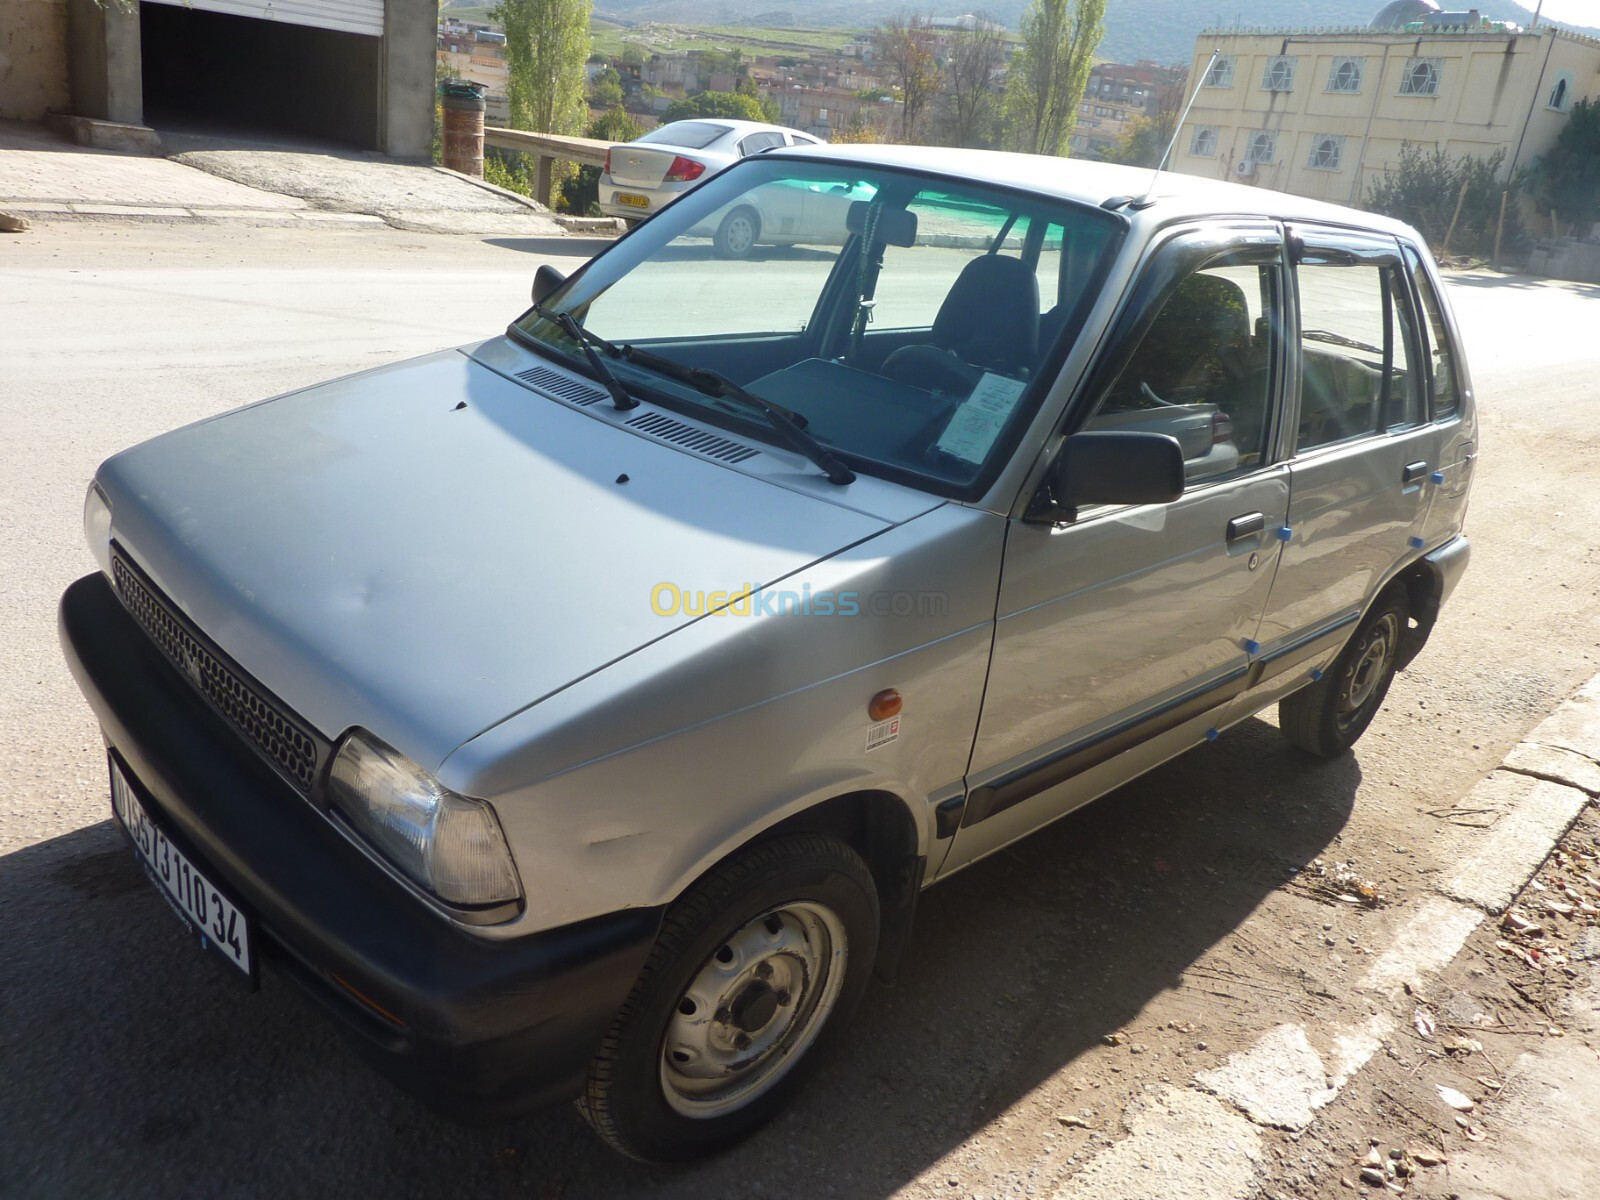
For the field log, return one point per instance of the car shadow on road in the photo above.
(137, 1066)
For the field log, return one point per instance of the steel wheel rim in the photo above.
(752, 1009)
(741, 234)
(1367, 672)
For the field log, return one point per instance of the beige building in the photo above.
(1322, 114)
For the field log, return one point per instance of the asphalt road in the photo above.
(133, 1068)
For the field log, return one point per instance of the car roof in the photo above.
(1175, 194)
(735, 124)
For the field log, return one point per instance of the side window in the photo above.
(1357, 374)
(1203, 371)
(1441, 367)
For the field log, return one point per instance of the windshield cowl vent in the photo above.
(687, 436)
(561, 387)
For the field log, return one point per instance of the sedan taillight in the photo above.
(1221, 428)
(683, 169)
(607, 168)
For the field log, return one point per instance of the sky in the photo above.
(1569, 12)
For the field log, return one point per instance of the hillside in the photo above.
(1163, 30)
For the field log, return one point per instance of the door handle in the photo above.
(1242, 527)
(1413, 472)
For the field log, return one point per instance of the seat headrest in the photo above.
(896, 226)
(991, 314)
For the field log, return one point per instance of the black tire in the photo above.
(736, 236)
(735, 955)
(1328, 717)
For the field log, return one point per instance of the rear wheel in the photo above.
(756, 970)
(1329, 716)
(737, 234)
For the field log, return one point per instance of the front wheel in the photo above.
(1327, 717)
(757, 969)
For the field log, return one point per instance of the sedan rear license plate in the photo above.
(633, 201)
(214, 917)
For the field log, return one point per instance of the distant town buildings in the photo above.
(477, 54)
(1116, 95)
(1323, 113)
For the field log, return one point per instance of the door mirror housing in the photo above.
(1109, 467)
(546, 280)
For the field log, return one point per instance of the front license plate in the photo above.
(633, 201)
(218, 921)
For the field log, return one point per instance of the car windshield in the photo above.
(903, 318)
(691, 135)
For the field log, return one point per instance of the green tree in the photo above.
(607, 89)
(547, 42)
(1568, 176)
(581, 193)
(1423, 188)
(715, 104)
(1049, 72)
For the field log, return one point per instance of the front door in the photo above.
(1137, 622)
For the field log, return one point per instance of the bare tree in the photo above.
(906, 53)
(969, 109)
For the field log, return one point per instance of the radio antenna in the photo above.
(1146, 200)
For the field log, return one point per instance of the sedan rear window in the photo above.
(691, 135)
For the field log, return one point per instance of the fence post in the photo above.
(1444, 250)
(1499, 228)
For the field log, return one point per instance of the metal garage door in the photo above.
(347, 16)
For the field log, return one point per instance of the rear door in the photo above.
(1362, 450)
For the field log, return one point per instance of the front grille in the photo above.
(249, 707)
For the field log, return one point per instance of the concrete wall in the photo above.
(1491, 88)
(410, 43)
(33, 59)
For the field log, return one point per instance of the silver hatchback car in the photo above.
(582, 712)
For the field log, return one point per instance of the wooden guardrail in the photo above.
(546, 149)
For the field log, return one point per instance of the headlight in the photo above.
(97, 526)
(450, 844)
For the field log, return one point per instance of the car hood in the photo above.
(425, 549)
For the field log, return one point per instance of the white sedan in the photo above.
(641, 177)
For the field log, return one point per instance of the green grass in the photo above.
(752, 40)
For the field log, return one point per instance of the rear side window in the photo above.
(1357, 374)
(1446, 392)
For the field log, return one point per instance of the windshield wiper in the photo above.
(1337, 339)
(788, 425)
(587, 341)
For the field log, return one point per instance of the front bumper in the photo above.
(478, 1028)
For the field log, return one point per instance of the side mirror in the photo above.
(546, 280)
(1110, 467)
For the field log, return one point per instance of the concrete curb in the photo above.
(1534, 797)
(42, 211)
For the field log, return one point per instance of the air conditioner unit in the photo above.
(1245, 168)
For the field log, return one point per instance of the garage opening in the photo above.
(217, 72)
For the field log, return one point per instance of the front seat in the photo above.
(989, 321)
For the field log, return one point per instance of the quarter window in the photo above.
(1357, 374)
(1279, 75)
(1326, 151)
(1204, 142)
(1420, 78)
(1345, 75)
(1221, 73)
